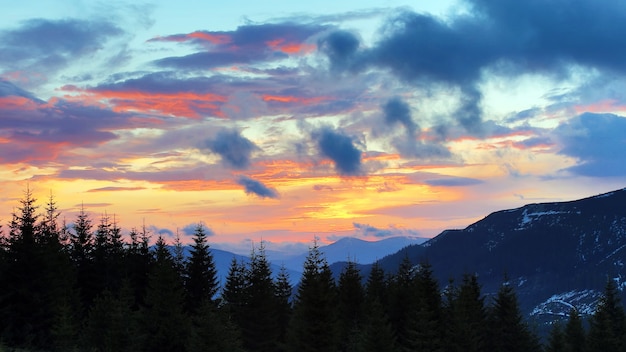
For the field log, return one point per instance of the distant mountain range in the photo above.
(557, 255)
(350, 248)
(358, 250)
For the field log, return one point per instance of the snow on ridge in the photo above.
(560, 304)
(527, 217)
(605, 195)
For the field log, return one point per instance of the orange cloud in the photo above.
(290, 47)
(24, 77)
(604, 106)
(184, 104)
(17, 103)
(197, 185)
(294, 99)
(209, 37)
(213, 38)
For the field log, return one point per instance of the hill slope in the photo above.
(557, 255)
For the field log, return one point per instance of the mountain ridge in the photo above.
(547, 250)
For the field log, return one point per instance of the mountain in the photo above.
(350, 248)
(223, 260)
(557, 255)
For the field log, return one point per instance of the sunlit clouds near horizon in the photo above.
(282, 123)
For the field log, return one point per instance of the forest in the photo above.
(89, 287)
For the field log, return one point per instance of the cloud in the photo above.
(190, 229)
(340, 149)
(44, 45)
(93, 205)
(9, 89)
(365, 230)
(161, 231)
(255, 187)
(322, 188)
(506, 38)
(248, 44)
(44, 131)
(340, 46)
(453, 182)
(115, 189)
(597, 142)
(234, 149)
(396, 111)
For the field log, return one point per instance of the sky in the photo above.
(281, 122)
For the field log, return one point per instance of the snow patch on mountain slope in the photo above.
(528, 218)
(584, 301)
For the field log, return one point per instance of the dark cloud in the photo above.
(367, 230)
(255, 187)
(161, 231)
(190, 229)
(396, 111)
(203, 60)
(9, 89)
(234, 149)
(597, 142)
(340, 47)
(248, 44)
(453, 182)
(162, 82)
(40, 131)
(524, 115)
(198, 177)
(509, 37)
(534, 142)
(340, 149)
(50, 44)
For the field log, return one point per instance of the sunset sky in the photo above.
(283, 121)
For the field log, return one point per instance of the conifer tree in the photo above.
(213, 331)
(200, 274)
(350, 307)
(575, 337)
(283, 305)
(107, 256)
(556, 339)
(63, 297)
(468, 317)
(260, 328)
(179, 254)
(81, 253)
(164, 324)
(607, 329)
(111, 323)
(425, 327)
(138, 261)
(402, 303)
(376, 286)
(378, 333)
(311, 328)
(82, 240)
(508, 330)
(24, 310)
(235, 290)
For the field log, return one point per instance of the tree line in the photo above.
(84, 288)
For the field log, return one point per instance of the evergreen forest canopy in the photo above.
(85, 288)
